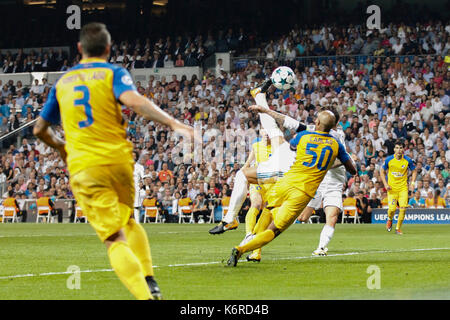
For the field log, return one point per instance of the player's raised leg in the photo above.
(249, 175)
(267, 122)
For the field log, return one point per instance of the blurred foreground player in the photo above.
(87, 99)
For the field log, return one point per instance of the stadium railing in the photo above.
(241, 62)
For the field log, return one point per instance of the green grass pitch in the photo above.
(190, 263)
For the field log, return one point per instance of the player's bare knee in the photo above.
(303, 217)
(245, 171)
(257, 203)
(274, 229)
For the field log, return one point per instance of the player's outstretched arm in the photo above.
(350, 166)
(42, 129)
(250, 159)
(412, 184)
(282, 120)
(338, 163)
(151, 111)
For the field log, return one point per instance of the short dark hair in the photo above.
(400, 142)
(94, 38)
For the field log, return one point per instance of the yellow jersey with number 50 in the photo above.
(316, 152)
(85, 100)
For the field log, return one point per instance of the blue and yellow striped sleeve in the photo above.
(386, 162)
(296, 140)
(50, 112)
(343, 155)
(411, 164)
(122, 82)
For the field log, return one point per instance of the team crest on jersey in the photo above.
(126, 79)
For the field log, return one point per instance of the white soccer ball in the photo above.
(283, 78)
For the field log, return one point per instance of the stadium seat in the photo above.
(44, 212)
(79, 215)
(350, 212)
(8, 213)
(152, 212)
(314, 218)
(185, 212)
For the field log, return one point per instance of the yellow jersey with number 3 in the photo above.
(85, 100)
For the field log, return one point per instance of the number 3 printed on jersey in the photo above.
(87, 107)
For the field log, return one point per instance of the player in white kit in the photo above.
(268, 171)
(330, 193)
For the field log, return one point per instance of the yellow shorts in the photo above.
(106, 195)
(261, 189)
(397, 196)
(287, 202)
(254, 189)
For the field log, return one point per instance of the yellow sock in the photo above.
(250, 219)
(128, 269)
(391, 213)
(138, 241)
(258, 241)
(401, 217)
(257, 252)
(263, 222)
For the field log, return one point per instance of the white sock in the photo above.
(325, 236)
(261, 100)
(267, 122)
(238, 196)
(137, 215)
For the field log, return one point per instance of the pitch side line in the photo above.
(219, 262)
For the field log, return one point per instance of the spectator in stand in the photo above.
(417, 201)
(201, 208)
(179, 62)
(165, 174)
(435, 200)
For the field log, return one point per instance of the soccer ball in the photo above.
(283, 78)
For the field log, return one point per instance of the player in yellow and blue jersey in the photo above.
(316, 153)
(396, 169)
(87, 100)
(261, 152)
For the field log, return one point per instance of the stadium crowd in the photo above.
(178, 51)
(380, 99)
